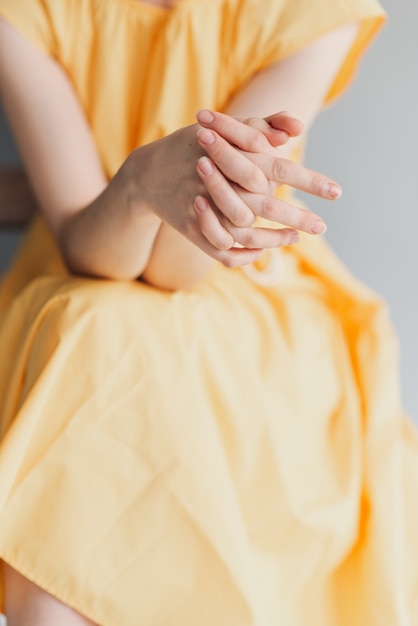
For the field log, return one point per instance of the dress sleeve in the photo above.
(276, 29)
(33, 19)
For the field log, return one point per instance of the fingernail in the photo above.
(200, 204)
(205, 117)
(205, 166)
(332, 191)
(318, 228)
(206, 136)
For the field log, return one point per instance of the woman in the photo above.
(205, 444)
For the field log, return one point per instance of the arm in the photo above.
(297, 84)
(105, 229)
(92, 221)
(102, 228)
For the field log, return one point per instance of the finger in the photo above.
(232, 163)
(281, 212)
(243, 135)
(276, 128)
(237, 257)
(210, 225)
(224, 236)
(255, 237)
(284, 171)
(280, 127)
(214, 234)
(232, 257)
(275, 136)
(285, 122)
(223, 195)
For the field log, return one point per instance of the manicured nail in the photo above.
(318, 228)
(200, 204)
(206, 136)
(205, 166)
(333, 191)
(205, 117)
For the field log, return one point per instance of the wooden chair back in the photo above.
(17, 202)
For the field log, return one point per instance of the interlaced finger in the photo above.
(216, 241)
(237, 132)
(276, 210)
(224, 236)
(223, 194)
(257, 237)
(284, 171)
(232, 162)
(211, 226)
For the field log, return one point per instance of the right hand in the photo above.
(214, 206)
(234, 147)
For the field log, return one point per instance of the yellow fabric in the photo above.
(236, 455)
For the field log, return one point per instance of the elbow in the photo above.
(89, 262)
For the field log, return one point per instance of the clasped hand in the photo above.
(211, 181)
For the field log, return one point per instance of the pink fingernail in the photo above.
(333, 191)
(318, 228)
(200, 204)
(205, 117)
(205, 166)
(206, 136)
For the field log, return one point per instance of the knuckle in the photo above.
(241, 214)
(255, 180)
(224, 245)
(303, 220)
(256, 140)
(256, 143)
(223, 240)
(228, 260)
(248, 238)
(290, 237)
(242, 218)
(216, 184)
(268, 208)
(319, 186)
(252, 121)
(281, 169)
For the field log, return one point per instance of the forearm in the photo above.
(299, 85)
(112, 237)
(175, 262)
(101, 228)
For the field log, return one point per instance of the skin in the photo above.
(229, 166)
(130, 226)
(28, 605)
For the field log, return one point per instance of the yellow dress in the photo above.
(232, 456)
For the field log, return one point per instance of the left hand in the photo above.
(234, 147)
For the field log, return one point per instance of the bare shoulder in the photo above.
(49, 126)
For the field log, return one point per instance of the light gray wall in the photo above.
(8, 154)
(368, 141)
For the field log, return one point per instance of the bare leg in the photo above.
(25, 604)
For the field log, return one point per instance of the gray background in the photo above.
(368, 141)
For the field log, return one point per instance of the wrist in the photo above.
(138, 190)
